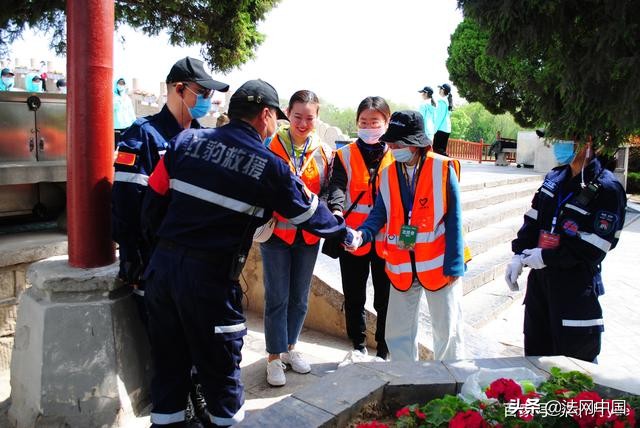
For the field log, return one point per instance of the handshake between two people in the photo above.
(530, 257)
(352, 240)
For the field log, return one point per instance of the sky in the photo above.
(344, 50)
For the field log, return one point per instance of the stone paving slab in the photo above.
(415, 382)
(350, 386)
(291, 412)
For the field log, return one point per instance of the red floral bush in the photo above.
(566, 399)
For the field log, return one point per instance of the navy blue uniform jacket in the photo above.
(213, 187)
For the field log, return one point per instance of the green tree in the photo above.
(227, 30)
(571, 66)
(344, 119)
(473, 122)
(460, 124)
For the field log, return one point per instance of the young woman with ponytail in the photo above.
(443, 119)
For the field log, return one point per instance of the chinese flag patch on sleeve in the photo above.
(124, 158)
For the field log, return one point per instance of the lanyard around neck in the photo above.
(294, 159)
(412, 184)
(559, 205)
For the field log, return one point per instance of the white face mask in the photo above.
(8, 81)
(122, 89)
(402, 155)
(371, 135)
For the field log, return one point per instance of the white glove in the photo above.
(352, 240)
(514, 269)
(533, 258)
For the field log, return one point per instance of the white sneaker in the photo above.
(355, 356)
(275, 373)
(295, 360)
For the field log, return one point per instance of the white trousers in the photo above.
(445, 307)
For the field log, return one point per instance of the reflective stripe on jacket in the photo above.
(358, 181)
(314, 174)
(429, 209)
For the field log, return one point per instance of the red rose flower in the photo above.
(419, 414)
(504, 390)
(468, 419)
(372, 424)
(403, 412)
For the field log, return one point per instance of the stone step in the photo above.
(483, 239)
(495, 195)
(478, 218)
(482, 180)
(485, 304)
(487, 266)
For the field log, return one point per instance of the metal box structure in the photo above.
(33, 150)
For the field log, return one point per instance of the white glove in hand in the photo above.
(533, 258)
(352, 240)
(514, 269)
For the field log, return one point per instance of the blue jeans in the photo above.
(287, 271)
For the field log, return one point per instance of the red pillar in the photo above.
(89, 131)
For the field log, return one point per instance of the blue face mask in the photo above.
(201, 108)
(564, 152)
(402, 155)
(8, 82)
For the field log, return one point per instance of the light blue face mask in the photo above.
(402, 155)
(201, 108)
(8, 82)
(564, 152)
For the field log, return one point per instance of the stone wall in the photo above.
(17, 253)
(12, 284)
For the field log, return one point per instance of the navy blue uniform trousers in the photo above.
(195, 316)
(554, 302)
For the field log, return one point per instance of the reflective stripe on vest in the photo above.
(315, 173)
(358, 178)
(429, 209)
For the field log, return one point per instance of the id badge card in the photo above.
(407, 238)
(548, 240)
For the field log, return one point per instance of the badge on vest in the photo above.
(548, 240)
(407, 237)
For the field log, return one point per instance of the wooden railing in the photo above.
(469, 150)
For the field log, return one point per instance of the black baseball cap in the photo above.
(192, 70)
(446, 88)
(426, 89)
(255, 92)
(406, 127)
(7, 71)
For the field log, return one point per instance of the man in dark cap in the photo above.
(189, 91)
(8, 80)
(206, 197)
(419, 212)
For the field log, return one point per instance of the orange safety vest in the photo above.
(315, 175)
(429, 209)
(358, 181)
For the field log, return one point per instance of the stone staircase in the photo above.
(492, 216)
